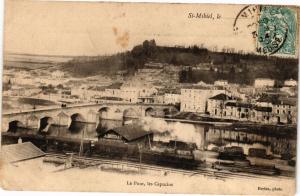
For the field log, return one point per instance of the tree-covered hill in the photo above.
(235, 67)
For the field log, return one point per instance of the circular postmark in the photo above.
(246, 20)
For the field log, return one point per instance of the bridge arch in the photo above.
(130, 115)
(149, 111)
(14, 125)
(166, 111)
(45, 123)
(77, 123)
(77, 117)
(118, 110)
(103, 112)
(130, 112)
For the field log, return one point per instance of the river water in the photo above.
(206, 137)
(18, 104)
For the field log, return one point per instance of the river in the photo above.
(206, 137)
(18, 104)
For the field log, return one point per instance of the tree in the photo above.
(60, 86)
(183, 76)
(174, 60)
(232, 74)
(245, 75)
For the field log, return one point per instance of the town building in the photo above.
(159, 98)
(57, 74)
(221, 83)
(22, 91)
(282, 109)
(238, 111)
(216, 105)
(290, 90)
(171, 98)
(267, 109)
(194, 98)
(290, 82)
(263, 82)
(262, 114)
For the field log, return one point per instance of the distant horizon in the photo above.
(83, 55)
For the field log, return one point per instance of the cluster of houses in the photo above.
(117, 92)
(260, 102)
(270, 109)
(26, 83)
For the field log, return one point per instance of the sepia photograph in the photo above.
(149, 97)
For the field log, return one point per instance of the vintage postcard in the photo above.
(149, 97)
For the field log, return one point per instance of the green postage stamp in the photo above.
(277, 30)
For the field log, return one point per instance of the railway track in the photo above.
(99, 160)
(203, 170)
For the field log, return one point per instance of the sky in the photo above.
(92, 28)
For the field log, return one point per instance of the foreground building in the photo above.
(128, 134)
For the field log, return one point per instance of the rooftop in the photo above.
(222, 97)
(21, 152)
(239, 104)
(202, 87)
(130, 132)
(269, 79)
(277, 100)
(263, 109)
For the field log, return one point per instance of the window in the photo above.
(277, 111)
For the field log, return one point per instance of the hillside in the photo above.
(240, 68)
(136, 58)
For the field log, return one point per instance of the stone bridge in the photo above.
(88, 113)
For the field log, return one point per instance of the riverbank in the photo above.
(250, 127)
